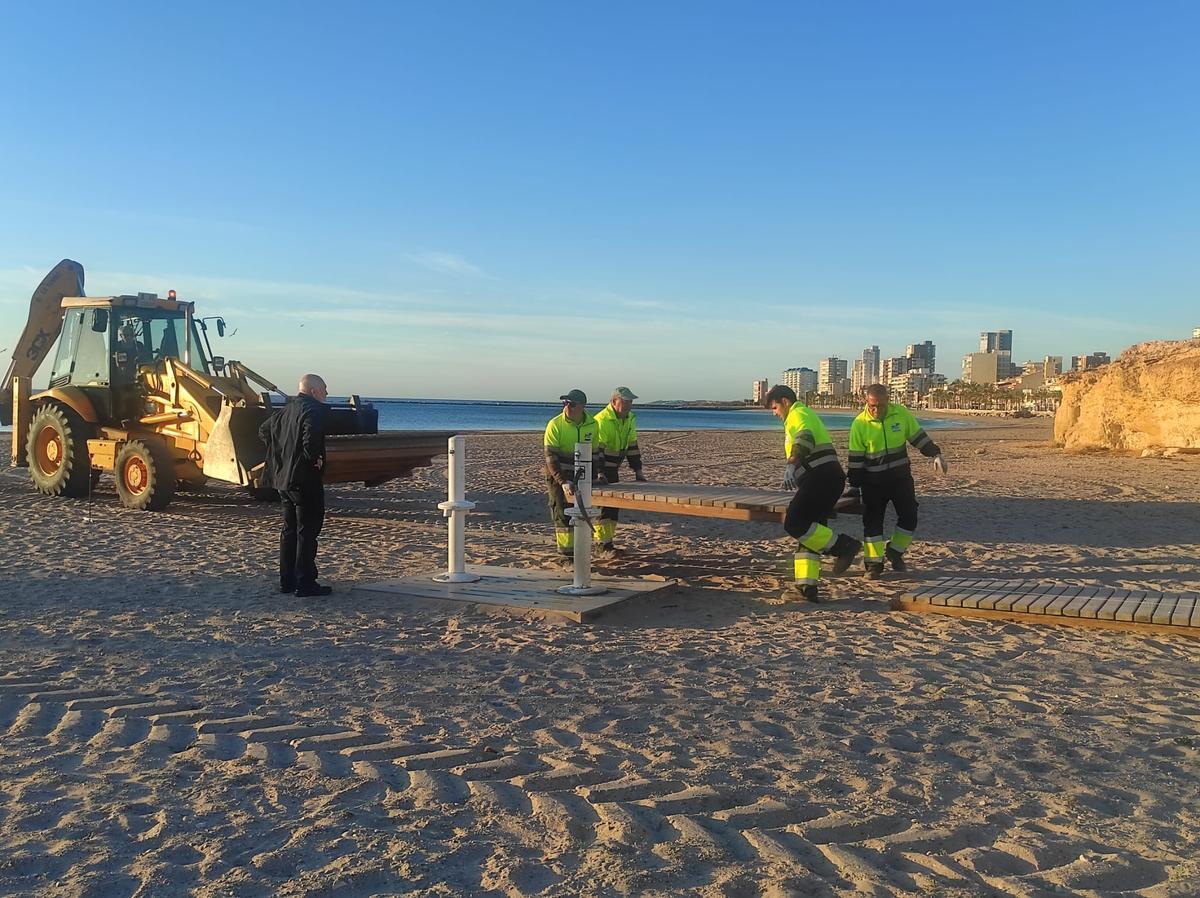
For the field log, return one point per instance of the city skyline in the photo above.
(460, 198)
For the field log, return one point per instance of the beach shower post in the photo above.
(455, 509)
(581, 516)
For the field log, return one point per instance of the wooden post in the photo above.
(21, 417)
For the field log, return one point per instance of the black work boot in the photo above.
(895, 559)
(873, 572)
(806, 592)
(845, 550)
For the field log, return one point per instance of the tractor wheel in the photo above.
(57, 451)
(145, 475)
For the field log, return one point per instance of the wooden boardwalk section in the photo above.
(1032, 601)
(523, 591)
(733, 503)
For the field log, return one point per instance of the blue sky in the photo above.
(506, 200)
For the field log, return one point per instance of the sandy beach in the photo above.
(170, 725)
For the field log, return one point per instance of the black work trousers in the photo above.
(816, 495)
(901, 492)
(303, 516)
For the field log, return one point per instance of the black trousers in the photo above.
(901, 492)
(815, 497)
(303, 516)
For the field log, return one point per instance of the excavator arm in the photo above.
(42, 328)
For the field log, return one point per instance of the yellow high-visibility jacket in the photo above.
(879, 448)
(806, 442)
(561, 436)
(616, 441)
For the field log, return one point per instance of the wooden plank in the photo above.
(1145, 611)
(1057, 620)
(1164, 608)
(1128, 607)
(1182, 614)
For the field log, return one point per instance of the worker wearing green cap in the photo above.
(616, 440)
(563, 431)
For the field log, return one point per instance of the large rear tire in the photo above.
(145, 475)
(59, 464)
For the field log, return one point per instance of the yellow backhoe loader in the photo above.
(136, 390)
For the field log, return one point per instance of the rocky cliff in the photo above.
(1148, 397)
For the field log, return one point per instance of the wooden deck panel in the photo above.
(1138, 610)
(728, 502)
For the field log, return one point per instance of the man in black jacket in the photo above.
(295, 441)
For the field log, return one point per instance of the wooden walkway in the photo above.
(1031, 601)
(523, 591)
(729, 502)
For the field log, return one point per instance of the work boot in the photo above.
(844, 551)
(797, 592)
(895, 559)
(873, 572)
(316, 589)
(608, 550)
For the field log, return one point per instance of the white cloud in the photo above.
(445, 263)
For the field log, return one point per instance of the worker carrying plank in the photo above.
(814, 472)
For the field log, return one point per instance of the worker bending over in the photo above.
(879, 439)
(814, 472)
(563, 431)
(616, 441)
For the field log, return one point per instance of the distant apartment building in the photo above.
(858, 378)
(981, 367)
(1196, 333)
(1052, 367)
(1094, 360)
(922, 355)
(914, 383)
(802, 380)
(760, 390)
(830, 372)
(893, 367)
(999, 342)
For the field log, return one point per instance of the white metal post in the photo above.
(580, 513)
(455, 509)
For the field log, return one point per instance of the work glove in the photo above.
(789, 477)
(638, 475)
(939, 465)
(569, 491)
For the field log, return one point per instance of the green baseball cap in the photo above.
(575, 396)
(624, 393)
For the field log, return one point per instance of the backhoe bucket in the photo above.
(376, 458)
(233, 447)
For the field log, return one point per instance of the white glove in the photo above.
(939, 465)
(789, 477)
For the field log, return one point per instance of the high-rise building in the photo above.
(858, 380)
(760, 390)
(802, 380)
(870, 360)
(830, 371)
(981, 367)
(1196, 333)
(999, 342)
(1051, 366)
(893, 367)
(922, 355)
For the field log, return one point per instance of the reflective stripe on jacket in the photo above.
(879, 448)
(561, 436)
(806, 441)
(616, 439)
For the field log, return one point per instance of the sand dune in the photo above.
(171, 726)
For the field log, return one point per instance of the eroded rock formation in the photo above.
(1149, 397)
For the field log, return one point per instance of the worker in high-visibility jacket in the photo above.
(616, 442)
(814, 472)
(563, 431)
(879, 466)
